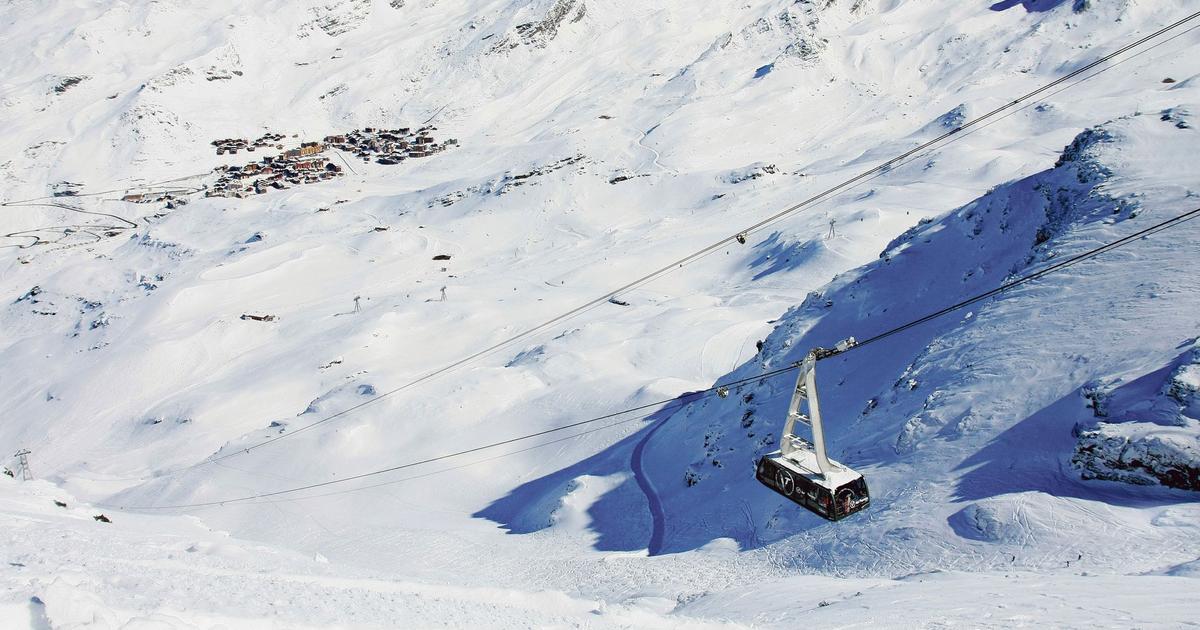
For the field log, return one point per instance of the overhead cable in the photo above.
(720, 389)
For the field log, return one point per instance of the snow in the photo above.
(599, 140)
(176, 573)
(70, 575)
(950, 599)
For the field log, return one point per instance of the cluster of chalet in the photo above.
(233, 145)
(292, 168)
(389, 146)
(309, 163)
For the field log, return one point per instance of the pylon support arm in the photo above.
(806, 391)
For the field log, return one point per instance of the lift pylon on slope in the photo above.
(800, 470)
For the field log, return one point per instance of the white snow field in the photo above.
(1034, 459)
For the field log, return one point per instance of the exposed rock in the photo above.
(753, 171)
(1084, 149)
(506, 183)
(174, 76)
(1141, 453)
(65, 189)
(539, 34)
(338, 18)
(794, 29)
(953, 118)
(1098, 396)
(67, 83)
(31, 295)
(1177, 116)
(1183, 386)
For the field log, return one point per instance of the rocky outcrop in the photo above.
(539, 34)
(1160, 442)
(1183, 387)
(338, 18)
(1141, 453)
(66, 83)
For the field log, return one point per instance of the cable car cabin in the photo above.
(800, 470)
(834, 495)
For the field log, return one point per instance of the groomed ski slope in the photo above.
(597, 141)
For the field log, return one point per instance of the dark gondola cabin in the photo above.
(833, 496)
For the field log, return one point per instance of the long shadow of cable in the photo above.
(618, 517)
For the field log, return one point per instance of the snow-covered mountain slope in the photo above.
(597, 140)
(966, 425)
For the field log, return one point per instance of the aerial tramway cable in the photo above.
(690, 397)
(1007, 286)
(680, 400)
(944, 139)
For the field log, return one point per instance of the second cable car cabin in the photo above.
(800, 470)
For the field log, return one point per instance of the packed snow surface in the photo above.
(1023, 454)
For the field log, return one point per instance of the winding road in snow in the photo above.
(65, 230)
(54, 201)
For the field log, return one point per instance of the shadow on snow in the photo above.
(1033, 6)
(626, 518)
(776, 254)
(1034, 455)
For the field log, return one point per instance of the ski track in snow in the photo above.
(654, 160)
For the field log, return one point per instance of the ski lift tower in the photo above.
(801, 470)
(23, 461)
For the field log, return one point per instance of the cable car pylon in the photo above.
(801, 470)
